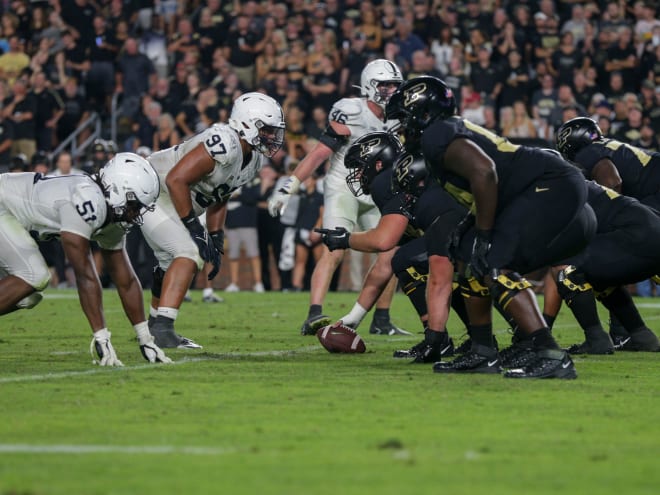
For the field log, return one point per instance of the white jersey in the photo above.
(223, 144)
(354, 113)
(50, 205)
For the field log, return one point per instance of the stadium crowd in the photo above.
(519, 68)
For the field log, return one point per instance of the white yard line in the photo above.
(21, 448)
(186, 360)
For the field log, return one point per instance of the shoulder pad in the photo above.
(347, 106)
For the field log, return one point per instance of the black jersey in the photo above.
(431, 204)
(518, 167)
(639, 169)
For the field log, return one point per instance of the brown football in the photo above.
(340, 338)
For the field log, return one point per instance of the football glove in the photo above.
(103, 348)
(455, 237)
(198, 234)
(478, 263)
(217, 249)
(280, 198)
(336, 238)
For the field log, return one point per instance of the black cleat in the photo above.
(434, 347)
(312, 324)
(386, 328)
(517, 355)
(480, 359)
(593, 346)
(466, 346)
(641, 341)
(166, 338)
(549, 363)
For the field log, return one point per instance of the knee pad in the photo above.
(471, 287)
(30, 301)
(157, 284)
(411, 278)
(570, 282)
(506, 286)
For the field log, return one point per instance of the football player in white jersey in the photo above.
(349, 119)
(199, 175)
(78, 209)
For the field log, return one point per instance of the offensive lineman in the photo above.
(197, 176)
(529, 210)
(78, 209)
(349, 119)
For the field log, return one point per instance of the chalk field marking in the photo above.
(21, 448)
(97, 370)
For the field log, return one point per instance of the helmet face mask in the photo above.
(131, 187)
(259, 120)
(575, 134)
(420, 101)
(364, 156)
(379, 80)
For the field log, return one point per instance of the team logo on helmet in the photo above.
(367, 147)
(412, 94)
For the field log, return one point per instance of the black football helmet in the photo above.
(410, 174)
(363, 155)
(420, 101)
(575, 134)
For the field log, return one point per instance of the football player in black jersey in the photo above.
(529, 209)
(404, 220)
(625, 250)
(620, 166)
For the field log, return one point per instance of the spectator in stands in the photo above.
(515, 75)
(406, 42)
(243, 46)
(21, 109)
(73, 60)
(134, 75)
(165, 136)
(144, 124)
(631, 130)
(100, 81)
(544, 100)
(64, 165)
(566, 60)
(13, 61)
(6, 140)
(622, 58)
(577, 24)
(485, 76)
(472, 107)
(75, 111)
(49, 109)
(521, 124)
(323, 88)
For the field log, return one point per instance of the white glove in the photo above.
(103, 348)
(148, 347)
(280, 199)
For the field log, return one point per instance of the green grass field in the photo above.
(263, 410)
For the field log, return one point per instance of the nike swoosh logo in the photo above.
(565, 365)
(446, 349)
(541, 189)
(492, 363)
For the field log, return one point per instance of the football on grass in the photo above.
(340, 338)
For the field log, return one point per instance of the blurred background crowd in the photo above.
(81, 80)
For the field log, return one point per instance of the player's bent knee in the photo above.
(506, 286)
(571, 282)
(30, 301)
(471, 287)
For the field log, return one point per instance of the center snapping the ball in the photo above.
(339, 338)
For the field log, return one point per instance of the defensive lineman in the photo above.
(197, 176)
(78, 209)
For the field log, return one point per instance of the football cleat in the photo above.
(641, 341)
(549, 363)
(166, 338)
(435, 346)
(312, 324)
(212, 298)
(517, 355)
(480, 359)
(600, 344)
(466, 346)
(386, 328)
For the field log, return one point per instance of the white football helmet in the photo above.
(259, 120)
(131, 187)
(377, 72)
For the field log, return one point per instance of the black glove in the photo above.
(198, 234)
(478, 262)
(455, 237)
(217, 249)
(336, 238)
